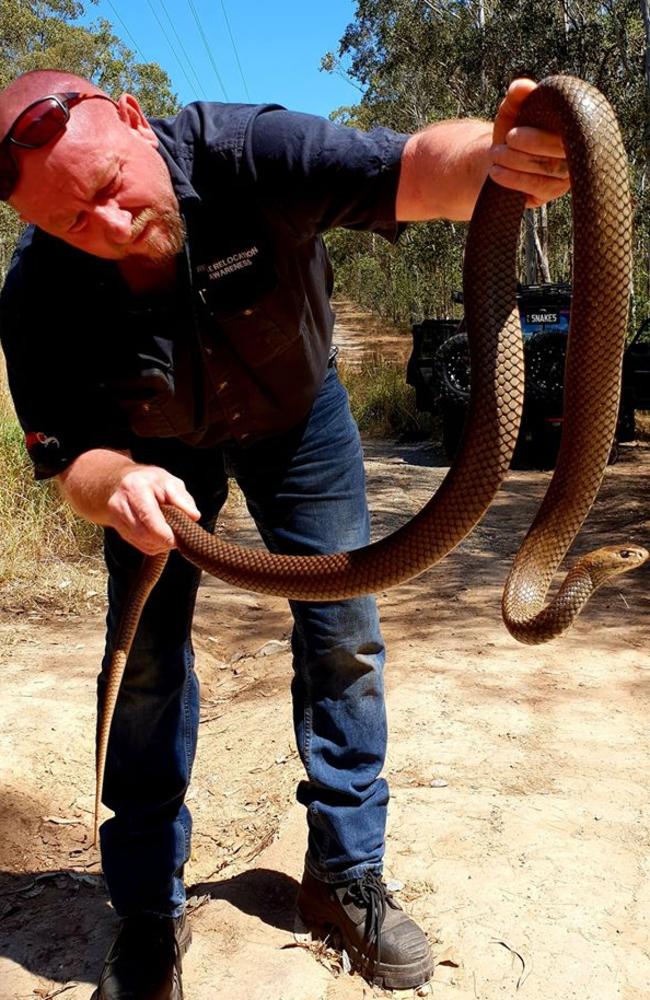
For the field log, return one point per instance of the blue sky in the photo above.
(279, 44)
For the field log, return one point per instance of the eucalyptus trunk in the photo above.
(645, 14)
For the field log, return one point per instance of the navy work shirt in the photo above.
(239, 349)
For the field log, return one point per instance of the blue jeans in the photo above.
(306, 493)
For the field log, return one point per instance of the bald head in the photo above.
(99, 183)
(29, 87)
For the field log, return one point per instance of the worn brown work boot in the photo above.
(144, 962)
(383, 943)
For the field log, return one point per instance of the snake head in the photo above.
(612, 560)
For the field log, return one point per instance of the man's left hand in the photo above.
(526, 159)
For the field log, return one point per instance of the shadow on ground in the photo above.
(268, 895)
(58, 927)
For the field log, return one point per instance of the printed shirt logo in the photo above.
(221, 268)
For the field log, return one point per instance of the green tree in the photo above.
(421, 61)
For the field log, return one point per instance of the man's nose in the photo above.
(116, 222)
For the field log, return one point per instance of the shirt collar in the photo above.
(174, 161)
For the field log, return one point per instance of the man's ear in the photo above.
(132, 115)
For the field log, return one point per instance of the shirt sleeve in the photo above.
(60, 404)
(319, 175)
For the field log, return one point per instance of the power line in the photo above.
(207, 47)
(184, 50)
(117, 15)
(168, 40)
(241, 72)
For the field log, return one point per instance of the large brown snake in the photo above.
(601, 282)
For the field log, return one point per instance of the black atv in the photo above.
(439, 370)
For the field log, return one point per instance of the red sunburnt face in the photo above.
(102, 187)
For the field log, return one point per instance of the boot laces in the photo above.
(370, 893)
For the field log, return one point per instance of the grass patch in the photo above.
(48, 555)
(383, 405)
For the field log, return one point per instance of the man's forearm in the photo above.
(89, 482)
(443, 169)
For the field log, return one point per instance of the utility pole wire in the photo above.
(117, 15)
(169, 42)
(184, 50)
(232, 40)
(207, 47)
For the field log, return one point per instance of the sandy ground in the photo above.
(519, 821)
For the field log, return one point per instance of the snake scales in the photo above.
(601, 281)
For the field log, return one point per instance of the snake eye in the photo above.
(626, 553)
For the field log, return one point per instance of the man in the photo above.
(166, 324)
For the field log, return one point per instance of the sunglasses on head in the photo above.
(37, 125)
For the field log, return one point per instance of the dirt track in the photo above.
(519, 821)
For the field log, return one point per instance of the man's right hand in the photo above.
(109, 488)
(134, 507)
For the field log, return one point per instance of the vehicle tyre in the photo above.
(453, 422)
(452, 369)
(545, 354)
